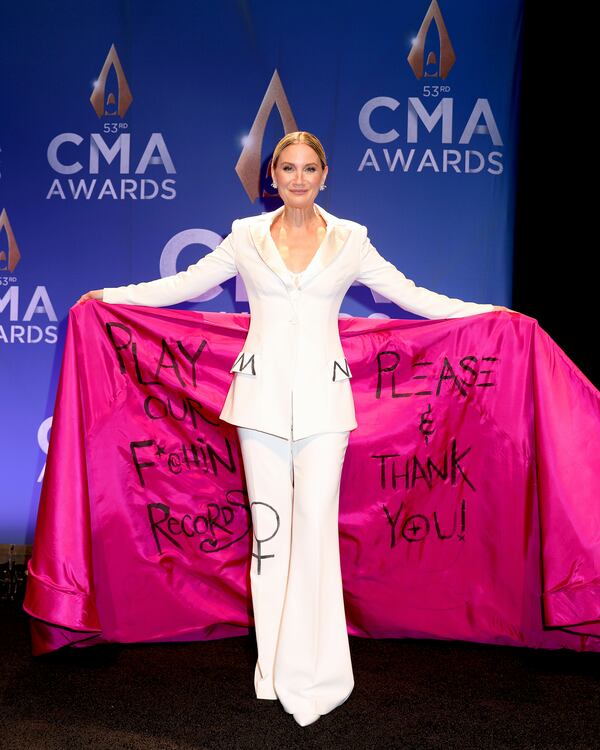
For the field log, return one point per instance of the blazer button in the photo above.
(293, 320)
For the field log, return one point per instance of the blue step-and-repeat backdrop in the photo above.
(134, 131)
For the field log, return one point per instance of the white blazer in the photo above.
(291, 378)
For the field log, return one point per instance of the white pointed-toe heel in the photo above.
(306, 716)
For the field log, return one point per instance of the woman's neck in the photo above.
(300, 218)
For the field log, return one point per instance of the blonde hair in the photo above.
(299, 136)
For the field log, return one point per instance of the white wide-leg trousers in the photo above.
(303, 650)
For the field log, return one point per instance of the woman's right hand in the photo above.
(94, 294)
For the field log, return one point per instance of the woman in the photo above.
(291, 401)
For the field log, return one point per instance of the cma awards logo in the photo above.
(248, 167)
(112, 150)
(103, 99)
(427, 61)
(17, 322)
(472, 146)
(9, 250)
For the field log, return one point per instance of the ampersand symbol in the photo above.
(426, 427)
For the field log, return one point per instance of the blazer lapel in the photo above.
(335, 237)
(259, 231)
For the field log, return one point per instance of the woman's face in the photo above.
(299, 175)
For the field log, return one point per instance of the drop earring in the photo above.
(322, 187)
(274, 185)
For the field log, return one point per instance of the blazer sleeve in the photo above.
(379, 274)
(211, 270)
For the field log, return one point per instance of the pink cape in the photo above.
(469, 505)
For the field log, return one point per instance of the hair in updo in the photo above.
(299, 136)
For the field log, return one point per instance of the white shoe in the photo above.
(306, 716)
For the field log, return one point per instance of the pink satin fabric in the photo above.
(469, 500)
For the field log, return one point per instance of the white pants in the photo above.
(293, 488)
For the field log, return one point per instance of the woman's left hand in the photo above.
(501, 307)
